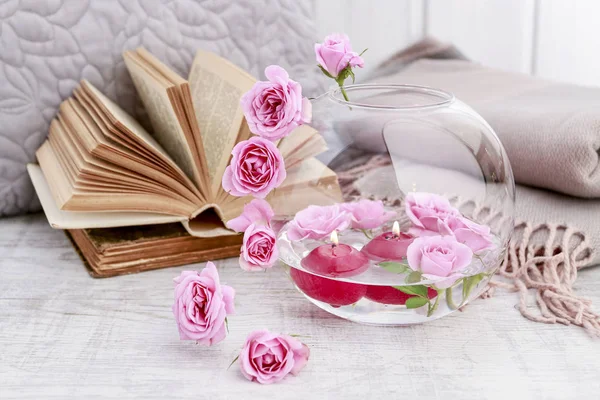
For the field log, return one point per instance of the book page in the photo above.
(118, 114)
(60, 219)
(304, 142)
(167, 129)
(181, 100)
(216, 87)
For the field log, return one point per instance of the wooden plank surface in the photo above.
(64, 335)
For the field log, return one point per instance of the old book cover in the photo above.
(126, 250)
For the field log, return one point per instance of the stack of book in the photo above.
(132, 200)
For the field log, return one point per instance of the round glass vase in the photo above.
(422, 208)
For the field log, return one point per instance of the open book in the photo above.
(99, 168)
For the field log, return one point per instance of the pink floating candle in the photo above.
(335, 259)
(389, 245)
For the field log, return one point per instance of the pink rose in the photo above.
(367, 214)
(274, 108)
(439, 258)
(429, 211)
(259, 249)
(316, 222)
(202, 305)
(255, 169)
(335, 54)
(258, 212)
(268, 357)
(476, 236)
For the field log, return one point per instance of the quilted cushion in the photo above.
(46, 47)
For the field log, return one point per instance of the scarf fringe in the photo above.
(549, 273)
(541, 264)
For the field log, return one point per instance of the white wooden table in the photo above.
(65, 335)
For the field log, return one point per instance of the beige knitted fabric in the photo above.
(551, 131)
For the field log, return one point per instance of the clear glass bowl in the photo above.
(422, 159)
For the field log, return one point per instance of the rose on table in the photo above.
(201, 307)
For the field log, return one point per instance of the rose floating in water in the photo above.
(274, 108)
(269, 357)
(440, 259)
(432, 215)
(336, 59)
(429, 212)
(477, 237)
(202, 305)
(255, 169)
(367, 214)
(317, 222)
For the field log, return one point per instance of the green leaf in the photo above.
(343, 75)
(416, 302)
(226, 324)
(351, 73)
(416, 290)
(233, 362)
(449, 299)
(327, 74)
(363, 52)
(393, 266)
(368, 233)
(434, 307)
(468, 285)
(413, 277)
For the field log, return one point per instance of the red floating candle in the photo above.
(391, 295)
(335, 259)
(330, 291)
(389, 245)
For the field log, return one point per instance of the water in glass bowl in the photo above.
(385, 292)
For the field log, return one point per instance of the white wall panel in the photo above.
(384, 26)
(556, 39)
(497, 33)
(569, 41)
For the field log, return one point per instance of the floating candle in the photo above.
(391, 295)
(330, 291)
(389, 245)
(336, 259)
